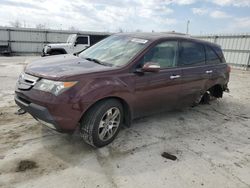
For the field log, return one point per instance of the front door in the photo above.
(159, 91)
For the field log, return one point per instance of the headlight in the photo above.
(54, 87)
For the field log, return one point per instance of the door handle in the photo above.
(209, 71)
(174, 77)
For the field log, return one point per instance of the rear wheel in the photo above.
(205, 98)
(101, 124)
(202, 99)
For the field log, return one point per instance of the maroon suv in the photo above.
(122, 77)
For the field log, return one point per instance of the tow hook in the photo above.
(20, 112)
(227, 90)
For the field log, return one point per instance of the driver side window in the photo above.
(165, 54)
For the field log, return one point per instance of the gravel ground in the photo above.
(211, 143)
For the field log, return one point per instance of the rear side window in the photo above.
(219, 52)
(211, 56)
(191, 53)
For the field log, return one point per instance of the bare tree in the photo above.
(72, 28)
(120, 30)
(41, 26)
(16, 24)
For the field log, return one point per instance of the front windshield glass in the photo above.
(115, 50)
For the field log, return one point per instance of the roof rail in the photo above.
(176, 33)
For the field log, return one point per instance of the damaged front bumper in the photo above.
(40, 113)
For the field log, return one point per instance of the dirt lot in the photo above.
(211, 143)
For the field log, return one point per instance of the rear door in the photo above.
(194, 71)
(216, 66)
(162, 89)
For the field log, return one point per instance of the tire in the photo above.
(202, 99)
(205, 98)
(95, 126)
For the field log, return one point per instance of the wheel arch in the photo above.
(216, 90)
(127, 109)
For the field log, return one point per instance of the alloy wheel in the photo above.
(109, 124)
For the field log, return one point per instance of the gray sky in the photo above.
(206, 16)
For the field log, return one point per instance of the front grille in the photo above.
(26, 81)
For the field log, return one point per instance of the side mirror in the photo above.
(75, 43)
(151, 67)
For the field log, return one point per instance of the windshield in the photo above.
(71, 38)
(115, 50)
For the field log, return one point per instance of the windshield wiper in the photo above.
(97, 61)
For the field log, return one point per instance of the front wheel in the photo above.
(101, 124)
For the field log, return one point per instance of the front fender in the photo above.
(102, 88)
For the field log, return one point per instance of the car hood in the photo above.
(63, 66)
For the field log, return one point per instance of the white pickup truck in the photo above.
(75, 44)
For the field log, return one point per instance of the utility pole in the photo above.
(188, 22)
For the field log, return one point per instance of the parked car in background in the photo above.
(122, 77)
(74, 44)
(5, 49)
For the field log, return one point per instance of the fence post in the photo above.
(248, 62)
(9, 39)
(46, 37)
(215, 39)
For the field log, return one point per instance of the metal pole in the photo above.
(188, 22)
(9, 39)
(46, 37)
(215, 39)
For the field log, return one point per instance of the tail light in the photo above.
(228, 68)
